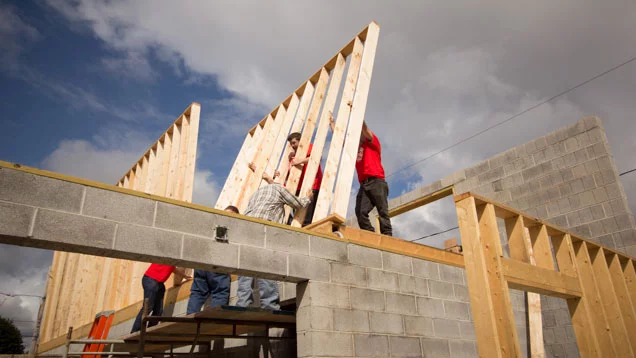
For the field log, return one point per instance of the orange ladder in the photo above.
(99, 331)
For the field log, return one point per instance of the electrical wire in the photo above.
(627, 172)
(19, 295)
(512, 117)
(436, 233)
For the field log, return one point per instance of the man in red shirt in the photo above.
(294, 140)
(374, 191)
(154, 289)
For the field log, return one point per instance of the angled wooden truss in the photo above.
(307, 110)
(81, 285)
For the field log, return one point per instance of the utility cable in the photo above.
(19, 295)
(627, 172)
(436, 233)
(512, 117)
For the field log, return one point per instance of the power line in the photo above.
(436, 233)
(513, 117)
(627, 172)
(19, 295)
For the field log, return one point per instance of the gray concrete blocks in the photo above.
(451, 274)
(462, 348)
(445, 328)
(325, 344)
(28, 189)
(405, 347)
(370, 345)
(287, 241)
(400, 303)
(364, 256)
(73, 229)
(396, 263)
(418, 326)
(367, 300)
(349, 320)
(328, 249)
(441, 289)
(303, 267)
(467, 330)
(268, 263)
(326, 295)
(349, 274)
(426, 269)
(386, 323)
(435, 348)
(456, 310)
(143, 239)
(15, 220)
(120, 207)
(430, 307)
(382, 280)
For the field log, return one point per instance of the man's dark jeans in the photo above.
(208, 283)
(374, 192)
(154, 292)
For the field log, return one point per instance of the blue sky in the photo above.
(87, 86)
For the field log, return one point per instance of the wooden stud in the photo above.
(250, 179)
(165, 168)
(191, 151)
(321, 136)
(338, 138)
(518, 241)
(227, 193)
(625, 303)
(610, 302)
(281, 140)
(579, 307)
(597, 311)
(183, 159)
(352, 140)
(526, 277)
(630, 277)
(174, 161)
(541, 249)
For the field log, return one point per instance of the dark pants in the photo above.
(309, 213)
(208, 283)
(154, 292)
(374, 192)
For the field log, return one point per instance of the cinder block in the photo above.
(461, 293)
(34, 190)
(324, 344)
(261, 261)
(441, 289)
(368, 300)
(386, 323)
(597, 212)
(382, 280)
(445, 328)
(320, 318)
(15, 219)
(478, 169)
(400, 303)
(418, 326)
(569, 331)
(421, 287)
(74, 229)
(435, 348)
(559, 334)
(405, 347)
(491, 175)
(346, 320)
(571, 349)
(306, 267)
(286, 240)
(396, 263)
(467, 330)
(197, 249)
(548, 336)
(112, 205)
(451, 274)
(537, 171)
(406, 283)
(426, 269)
(364, 256)
(371, 345)
(328, 249)
(151, 241)
(350, 274)
(430, 307)
(456, 310)
(463, 349)
(324, 295)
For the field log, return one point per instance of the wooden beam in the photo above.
(183, 160)
(630, 277)
(427, 199)
(338, 138)
(526, 277)
(625, 303)
(321, 136)
(518, 242)
(352, 140)
(228, 191)
(191, 154)
(264, 151)
(541, 249)
(610, 302)
(589, 284)
(244, 194)
(281, 140)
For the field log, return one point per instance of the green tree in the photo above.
(10, 338)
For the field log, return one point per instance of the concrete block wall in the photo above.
(567, 177)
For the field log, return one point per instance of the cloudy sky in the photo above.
(88, 86)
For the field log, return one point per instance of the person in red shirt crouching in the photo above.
(374, 191)
(154, 290)
(294, 140)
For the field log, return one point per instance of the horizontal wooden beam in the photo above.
(427, 199)
(523, 276)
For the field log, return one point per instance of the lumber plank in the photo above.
(228, 190)
(321, 136)
(183, 159)
(489, 342)
(625, 303)
(518, 242)
(137, 185)
(527, 277)
(174, 161)
(165, 168)
(607, 292)
(541, 247)
(352, 140)
(150, 174)
(424, 200)
(338, 138)
(243, 171)
(191, 154)
(281, 140)
(57, 273)
(157, 169)
(630, 277)
(579, 307)
(597, 309)
(251, 179)
(308, 131)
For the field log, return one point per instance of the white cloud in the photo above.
(15, 36)
(132, 65)
(206, 188)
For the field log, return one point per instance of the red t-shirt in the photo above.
(369, 160)
(318, 179)
(159, 272)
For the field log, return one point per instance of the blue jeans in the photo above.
(154, 292)
(208, 283)
(268, 290)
